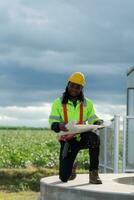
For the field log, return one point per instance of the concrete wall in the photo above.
(49, 192)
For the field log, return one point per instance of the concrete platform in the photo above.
(113, 188)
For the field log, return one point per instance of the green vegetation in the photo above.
(15, 180)
(22, 148)
(120, 151)
(27, 195)
(26, 156)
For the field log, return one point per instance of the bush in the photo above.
(22, 148)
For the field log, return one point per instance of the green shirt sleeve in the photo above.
(55, 114)
(92, 117)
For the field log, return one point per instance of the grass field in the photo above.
(29, 195)
(21, 148)
(27, 155)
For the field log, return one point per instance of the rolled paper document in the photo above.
(107, 123)
(73, 128)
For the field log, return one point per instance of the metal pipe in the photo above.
(124, 145)
(116, 142)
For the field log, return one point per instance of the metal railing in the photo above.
(110, 144)
(109, 149)
(128, 144)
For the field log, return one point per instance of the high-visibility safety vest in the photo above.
(71, 136)
(83, 113)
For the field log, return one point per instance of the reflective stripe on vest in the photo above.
(71, 136)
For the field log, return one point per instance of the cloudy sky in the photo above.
(43, 42)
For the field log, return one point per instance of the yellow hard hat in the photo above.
(77, 78)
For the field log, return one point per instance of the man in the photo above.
(74, 106)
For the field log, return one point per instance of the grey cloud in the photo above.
(43, 42)
(26, 86)
(92, 30)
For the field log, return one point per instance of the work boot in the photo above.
(73, 174)
(94, 177)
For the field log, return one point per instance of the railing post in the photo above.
(116, 142)
(105, 150)
(124, 145)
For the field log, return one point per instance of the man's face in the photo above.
(74, 89)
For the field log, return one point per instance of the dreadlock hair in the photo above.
(66, 96)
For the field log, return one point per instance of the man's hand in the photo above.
(99, 122)
(62, 127)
